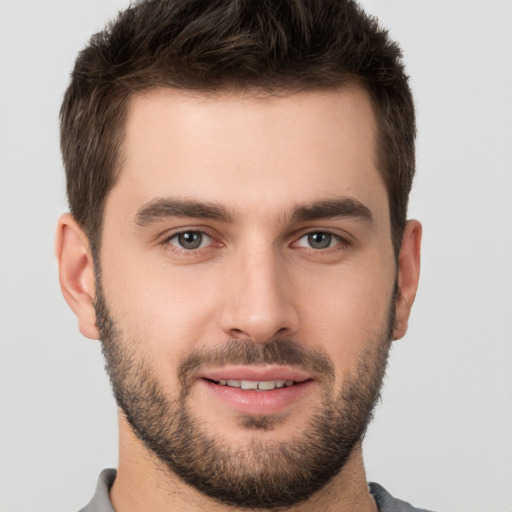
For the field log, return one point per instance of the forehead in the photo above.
(250, 151)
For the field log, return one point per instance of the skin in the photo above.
(259, 158)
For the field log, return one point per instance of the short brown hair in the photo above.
(211, 45)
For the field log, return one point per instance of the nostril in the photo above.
(238, 334)
(259, 317)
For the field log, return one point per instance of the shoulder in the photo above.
(100, 502)
(386, 502)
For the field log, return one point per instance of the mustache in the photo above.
(246, 352)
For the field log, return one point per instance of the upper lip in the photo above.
(255, 373)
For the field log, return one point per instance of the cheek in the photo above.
(346, 312)
(166, 308)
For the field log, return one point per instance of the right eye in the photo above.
(190, 240)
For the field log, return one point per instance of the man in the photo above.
(238, 175)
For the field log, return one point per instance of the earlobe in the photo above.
(76, 273)
(408, 276)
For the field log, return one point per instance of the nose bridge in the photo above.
(258, 304)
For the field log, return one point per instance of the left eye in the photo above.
(319, 240)
(190, 240)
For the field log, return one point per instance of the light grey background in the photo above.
(442, 435)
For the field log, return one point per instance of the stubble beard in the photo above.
(261, 474)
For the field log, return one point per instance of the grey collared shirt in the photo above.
(101, 501)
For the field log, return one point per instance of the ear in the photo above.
(408, 276)
(76, 273)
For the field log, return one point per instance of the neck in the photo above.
(144, 483)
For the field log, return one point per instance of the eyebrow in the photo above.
(345, 207)
(162, 208)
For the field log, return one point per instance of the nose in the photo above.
(258, 302)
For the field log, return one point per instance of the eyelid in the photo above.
(172, 232)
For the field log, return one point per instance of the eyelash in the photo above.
(341, 242)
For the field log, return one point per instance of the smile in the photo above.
(264, 385)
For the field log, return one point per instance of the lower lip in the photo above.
(258, 402)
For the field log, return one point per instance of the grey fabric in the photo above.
(386, 502)
(101, 501)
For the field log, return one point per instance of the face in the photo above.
(246, 286)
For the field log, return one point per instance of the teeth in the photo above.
(249, 384)
(265, 385)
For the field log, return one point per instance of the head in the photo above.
(238, 175)
(222, 46)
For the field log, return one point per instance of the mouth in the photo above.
(263, 385)
(256, 390)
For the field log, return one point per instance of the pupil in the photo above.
(190, 240)
(319, 240)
